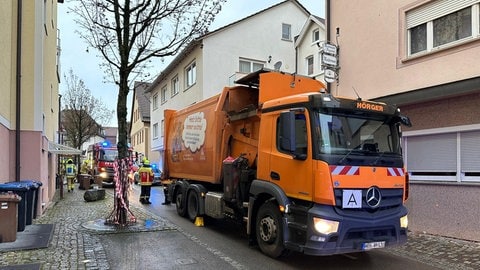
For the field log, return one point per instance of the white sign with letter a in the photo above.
(352, 198)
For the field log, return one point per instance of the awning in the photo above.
(56, 148)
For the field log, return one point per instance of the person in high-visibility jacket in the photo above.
(145, 174)
(70, 172)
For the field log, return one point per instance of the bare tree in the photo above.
(83, 115)
(127, 35)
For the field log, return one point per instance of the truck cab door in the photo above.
(291, 155)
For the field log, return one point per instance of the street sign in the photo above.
(329, 60)
(330, 75)
(330, 49)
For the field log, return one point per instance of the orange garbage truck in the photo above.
(304, 170)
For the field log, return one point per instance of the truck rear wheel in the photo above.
(192, 205)
(269, 230)
(179, 202)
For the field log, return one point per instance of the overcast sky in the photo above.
(85, 64)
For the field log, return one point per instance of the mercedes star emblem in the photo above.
(373, 197)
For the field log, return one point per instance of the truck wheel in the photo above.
(269, 230)
(192, 205)
(180, 204)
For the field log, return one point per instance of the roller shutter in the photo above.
(432, 153)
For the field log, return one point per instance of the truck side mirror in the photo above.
(404, 120)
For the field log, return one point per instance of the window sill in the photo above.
(453, 46)
(190, 86)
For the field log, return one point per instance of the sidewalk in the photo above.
(155, 243)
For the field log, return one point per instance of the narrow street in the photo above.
(228, 241)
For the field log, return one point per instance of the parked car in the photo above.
(157, 175)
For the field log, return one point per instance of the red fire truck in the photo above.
(101, 159)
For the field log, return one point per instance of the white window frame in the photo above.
(426, 14)
(162, 128)
(460, 176)
(308, 65)
(163, 94)
(286, 31)
(250, 62)
(315, 36)
(155, 131)
(175, 86)
(190, 74)
(155, 101)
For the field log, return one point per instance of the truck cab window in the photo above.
(342, 134)
(299, 136)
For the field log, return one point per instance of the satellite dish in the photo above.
(277, 65)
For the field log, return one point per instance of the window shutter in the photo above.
(435, 9)
(470, 151)
(432, 153)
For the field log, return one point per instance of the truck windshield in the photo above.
(348, 135)
(108, 154)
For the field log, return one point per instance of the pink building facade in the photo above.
(423, 56)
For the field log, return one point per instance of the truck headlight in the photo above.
(404, 222)
(325, 226)
(103, 175)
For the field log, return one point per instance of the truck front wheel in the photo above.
(269, 230)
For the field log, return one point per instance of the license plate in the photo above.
(372, 245)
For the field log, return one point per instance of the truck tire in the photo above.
(269, 230)
(180, 202)
(192, 205)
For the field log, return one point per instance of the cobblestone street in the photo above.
(74, 247)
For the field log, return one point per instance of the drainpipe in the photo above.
(18, 90)
(327, 22)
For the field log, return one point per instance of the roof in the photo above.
(56, 148)
(198, 41)
(303, 33)
(139, 91)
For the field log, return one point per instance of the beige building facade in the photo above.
(423, 56)
(29, 107)
(140, 124)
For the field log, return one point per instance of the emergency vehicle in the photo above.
(101, 158)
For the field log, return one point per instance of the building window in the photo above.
(175, 86)
(155, 101)
(440, 24)
(164, 94)
(155, 130)
(286, 31)
(315, 36)
(162, 131)
(247, 66)
(452, 27)
(191, 74)
(310, 65)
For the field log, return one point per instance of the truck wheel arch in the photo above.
(261, 192)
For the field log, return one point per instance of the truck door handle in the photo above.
(274, 176)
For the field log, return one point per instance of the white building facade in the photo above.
(215, 60)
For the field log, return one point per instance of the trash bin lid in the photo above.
(14, 186)
(32, 183)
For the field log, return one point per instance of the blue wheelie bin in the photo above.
(21, 190)
(35, 188)
(29, 198)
